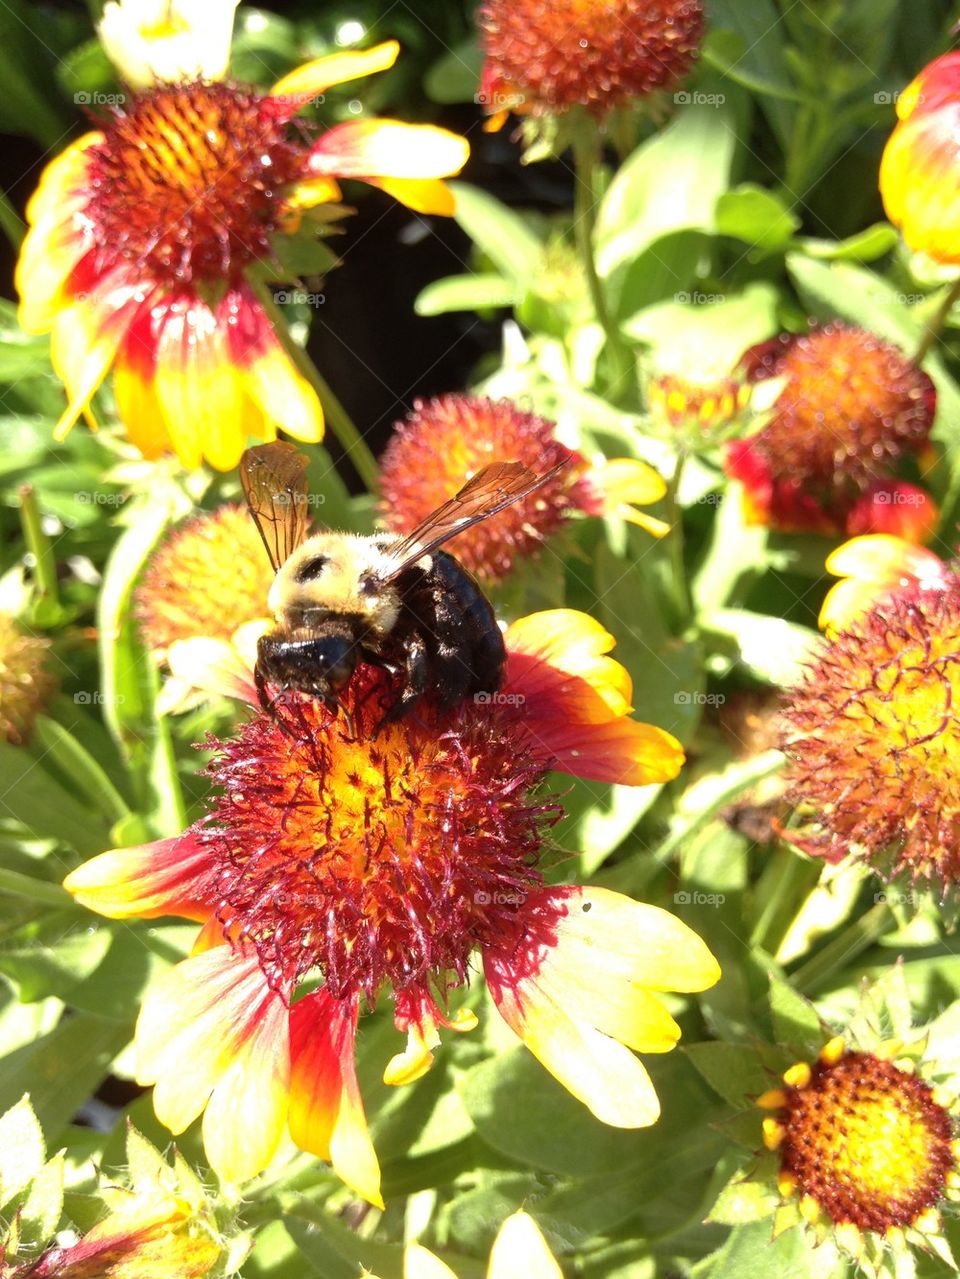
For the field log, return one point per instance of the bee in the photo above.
(398, 603)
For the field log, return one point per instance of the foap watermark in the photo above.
(499, 699)
(897, 497)
(99, 497)
(698, 699)
(499, 898)
(895, 898)
(298, 499)
(500, 101)
(299, 100)
(694, 98)
(298, 297)
(95, 698)
(696, 898)
(890, 98)
(696, 298)
(97, 99)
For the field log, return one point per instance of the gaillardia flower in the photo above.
(151, 41)
(873, 738)
(144, 234)
(208, 577)
(702, 412)
(345, 857)
(866, 1149)
(445, 441)
(544, 57)
(873, 567)
(919, 177)
(851, 408)
(25, 683)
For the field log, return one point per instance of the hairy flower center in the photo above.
(190, 182)
(875, 736)
(867, 1142)
(851, 404)
(385, 855)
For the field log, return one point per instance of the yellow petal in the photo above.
(419, 1263)
(625, 480)
(521, 1252)
(879, 555)
(424, 195)
(316, 77)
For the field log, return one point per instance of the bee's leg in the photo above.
(416, 666)
(266, 704)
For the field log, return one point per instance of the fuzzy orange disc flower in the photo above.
(341, 863)
(144, 236)
(874, 739)
(546, 57)
(447, 440)
(851, 408)
(919, 175)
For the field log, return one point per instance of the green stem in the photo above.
(13, 226)
(787, 882)
(38, 544)
(587, 158)
(340, 422)
(675, 545)
(934, 326)
(813, 975)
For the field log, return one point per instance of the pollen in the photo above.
(447, 440)
(189, 183)
(371, 852)
(209, 577)
(25, 683)
(874, 740)
(864, 1143)
(596, 53)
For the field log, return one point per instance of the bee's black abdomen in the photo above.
(464, 645)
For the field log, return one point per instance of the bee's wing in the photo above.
(274, 480)
(488, 492)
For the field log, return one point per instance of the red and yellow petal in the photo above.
(313, 78)
(211, 1028)
(215, 667)
(168, 877)
(326, 1110)
(563, 641)
(58, 237)
(279, 396)
(388, 149)
(871, 567)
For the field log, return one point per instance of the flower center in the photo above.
(385, 855)
(867, 1142)
(190, 182)
(875, 737)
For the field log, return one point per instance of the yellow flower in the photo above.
(143, 236)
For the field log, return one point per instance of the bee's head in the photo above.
(321, 665)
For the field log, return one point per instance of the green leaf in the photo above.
(502, 235)
(865, 246)
(703, 339)
(769, 648)
(78, 764)
(751, 1253)
(670, 184)
(43, 1207)
(22, 1150)
(51, 968)
(334, 1251)
(454, 77)
(63, 1068)
(796, 1024)
(733, 1071)
(756, 216)
(745, 1199)
(28, 105)
(33, 797)
(467, 293)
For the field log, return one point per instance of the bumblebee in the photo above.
(399, 603)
